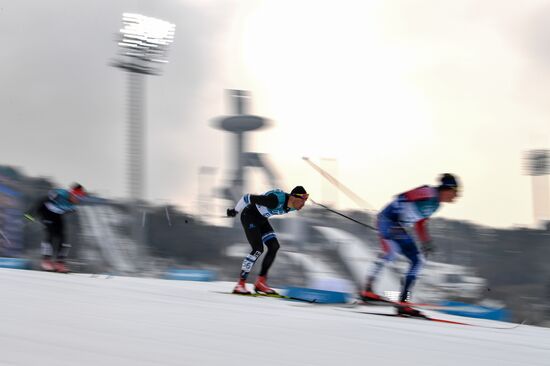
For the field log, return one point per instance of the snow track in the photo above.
(78, 319)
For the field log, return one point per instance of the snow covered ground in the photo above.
(77, 319)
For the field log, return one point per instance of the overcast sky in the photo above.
(396, 91)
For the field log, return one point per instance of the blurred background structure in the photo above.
(143, 45)
(375, 103)
(240, 125)
(537, 166)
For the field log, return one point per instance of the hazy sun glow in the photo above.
(326, 77)
(328, 74)
(397, 93)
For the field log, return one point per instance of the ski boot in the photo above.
(61, 267)
(240, 288)
(261, 286)
(47, 265)
(368, 295)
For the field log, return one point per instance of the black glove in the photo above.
(428, 248)
(231, 212)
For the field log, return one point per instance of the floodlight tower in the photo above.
(143, 45)
(537, 165)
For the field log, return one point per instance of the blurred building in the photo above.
(240, 125)
(537, 165)
(11, 223)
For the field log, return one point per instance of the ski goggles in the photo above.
(303, 196)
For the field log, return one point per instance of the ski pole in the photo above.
(335, 182)
(167, 216)
(341, 214)
(6, 238)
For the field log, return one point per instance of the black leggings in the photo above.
(54, 232)
(258, 231)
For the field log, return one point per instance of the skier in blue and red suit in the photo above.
(412, 208)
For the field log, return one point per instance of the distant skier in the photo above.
(255, 211)
(50, 211)
(413, 207)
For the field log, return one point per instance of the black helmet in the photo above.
(448, 181)
(298, 191)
